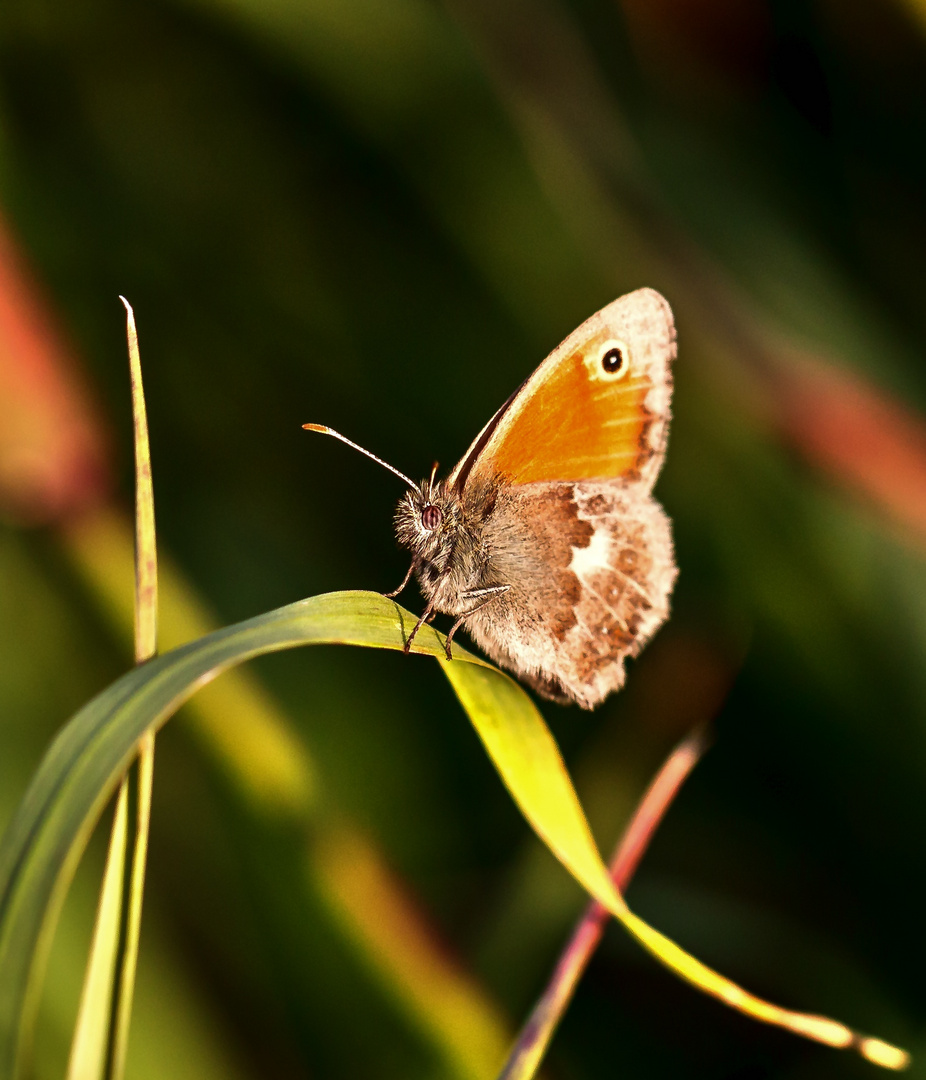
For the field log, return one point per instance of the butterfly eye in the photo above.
(431, 517)
(615, 359)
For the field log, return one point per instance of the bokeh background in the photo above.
(380, 215)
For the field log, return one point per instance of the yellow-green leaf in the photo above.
(85, 762)
(100, 1041)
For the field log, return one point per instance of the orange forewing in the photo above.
(575, 428)
(567, 423)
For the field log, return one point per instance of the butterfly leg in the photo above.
(487, 596)
(426, 617)
(392, 595)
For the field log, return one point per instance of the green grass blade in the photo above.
(100, 1042)
(146, 551)
(90, 1045)
(84, 763)
(529, 763)
(140, 777)
(40, 849)
(236, 720)
(141, 774)
(537, 1031)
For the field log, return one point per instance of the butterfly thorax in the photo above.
(443, 530)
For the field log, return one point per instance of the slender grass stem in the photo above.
(100, 1042)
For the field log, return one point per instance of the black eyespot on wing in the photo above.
(614, 360)
(431, 517)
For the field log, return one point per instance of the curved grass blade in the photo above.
(273, 774)
(41, 847)
(235, 719)
(537, 1032)
(85, 761)
(101, 1034)
(530, 764)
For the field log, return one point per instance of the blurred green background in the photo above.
(381, 215)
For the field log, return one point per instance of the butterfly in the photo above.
(545, 541)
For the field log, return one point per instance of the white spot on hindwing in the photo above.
(622, 519)
(597, 556)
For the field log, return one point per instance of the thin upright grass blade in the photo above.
(85, 762)
(146, 549)
(140, 781)
(100, 1040)
(90, 1044)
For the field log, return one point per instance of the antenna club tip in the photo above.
(884, 1054)
(325, 430)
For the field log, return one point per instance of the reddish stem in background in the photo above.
(538, 1030)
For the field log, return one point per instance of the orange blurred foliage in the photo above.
(863, 438)
(54, 452)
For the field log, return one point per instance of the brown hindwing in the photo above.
(591, 568)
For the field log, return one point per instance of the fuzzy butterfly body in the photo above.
(545, 541)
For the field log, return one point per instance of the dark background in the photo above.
(381, 215)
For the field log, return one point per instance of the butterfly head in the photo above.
(427, 521)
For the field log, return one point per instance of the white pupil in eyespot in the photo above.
(614, 360)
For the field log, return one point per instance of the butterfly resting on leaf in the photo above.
(545, 540)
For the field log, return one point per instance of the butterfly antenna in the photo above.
(433, 474)
(385, 464)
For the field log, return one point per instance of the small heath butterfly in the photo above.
(545, 540)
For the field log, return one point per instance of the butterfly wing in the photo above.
(589, 568)
(575, 533)
(575, 420)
